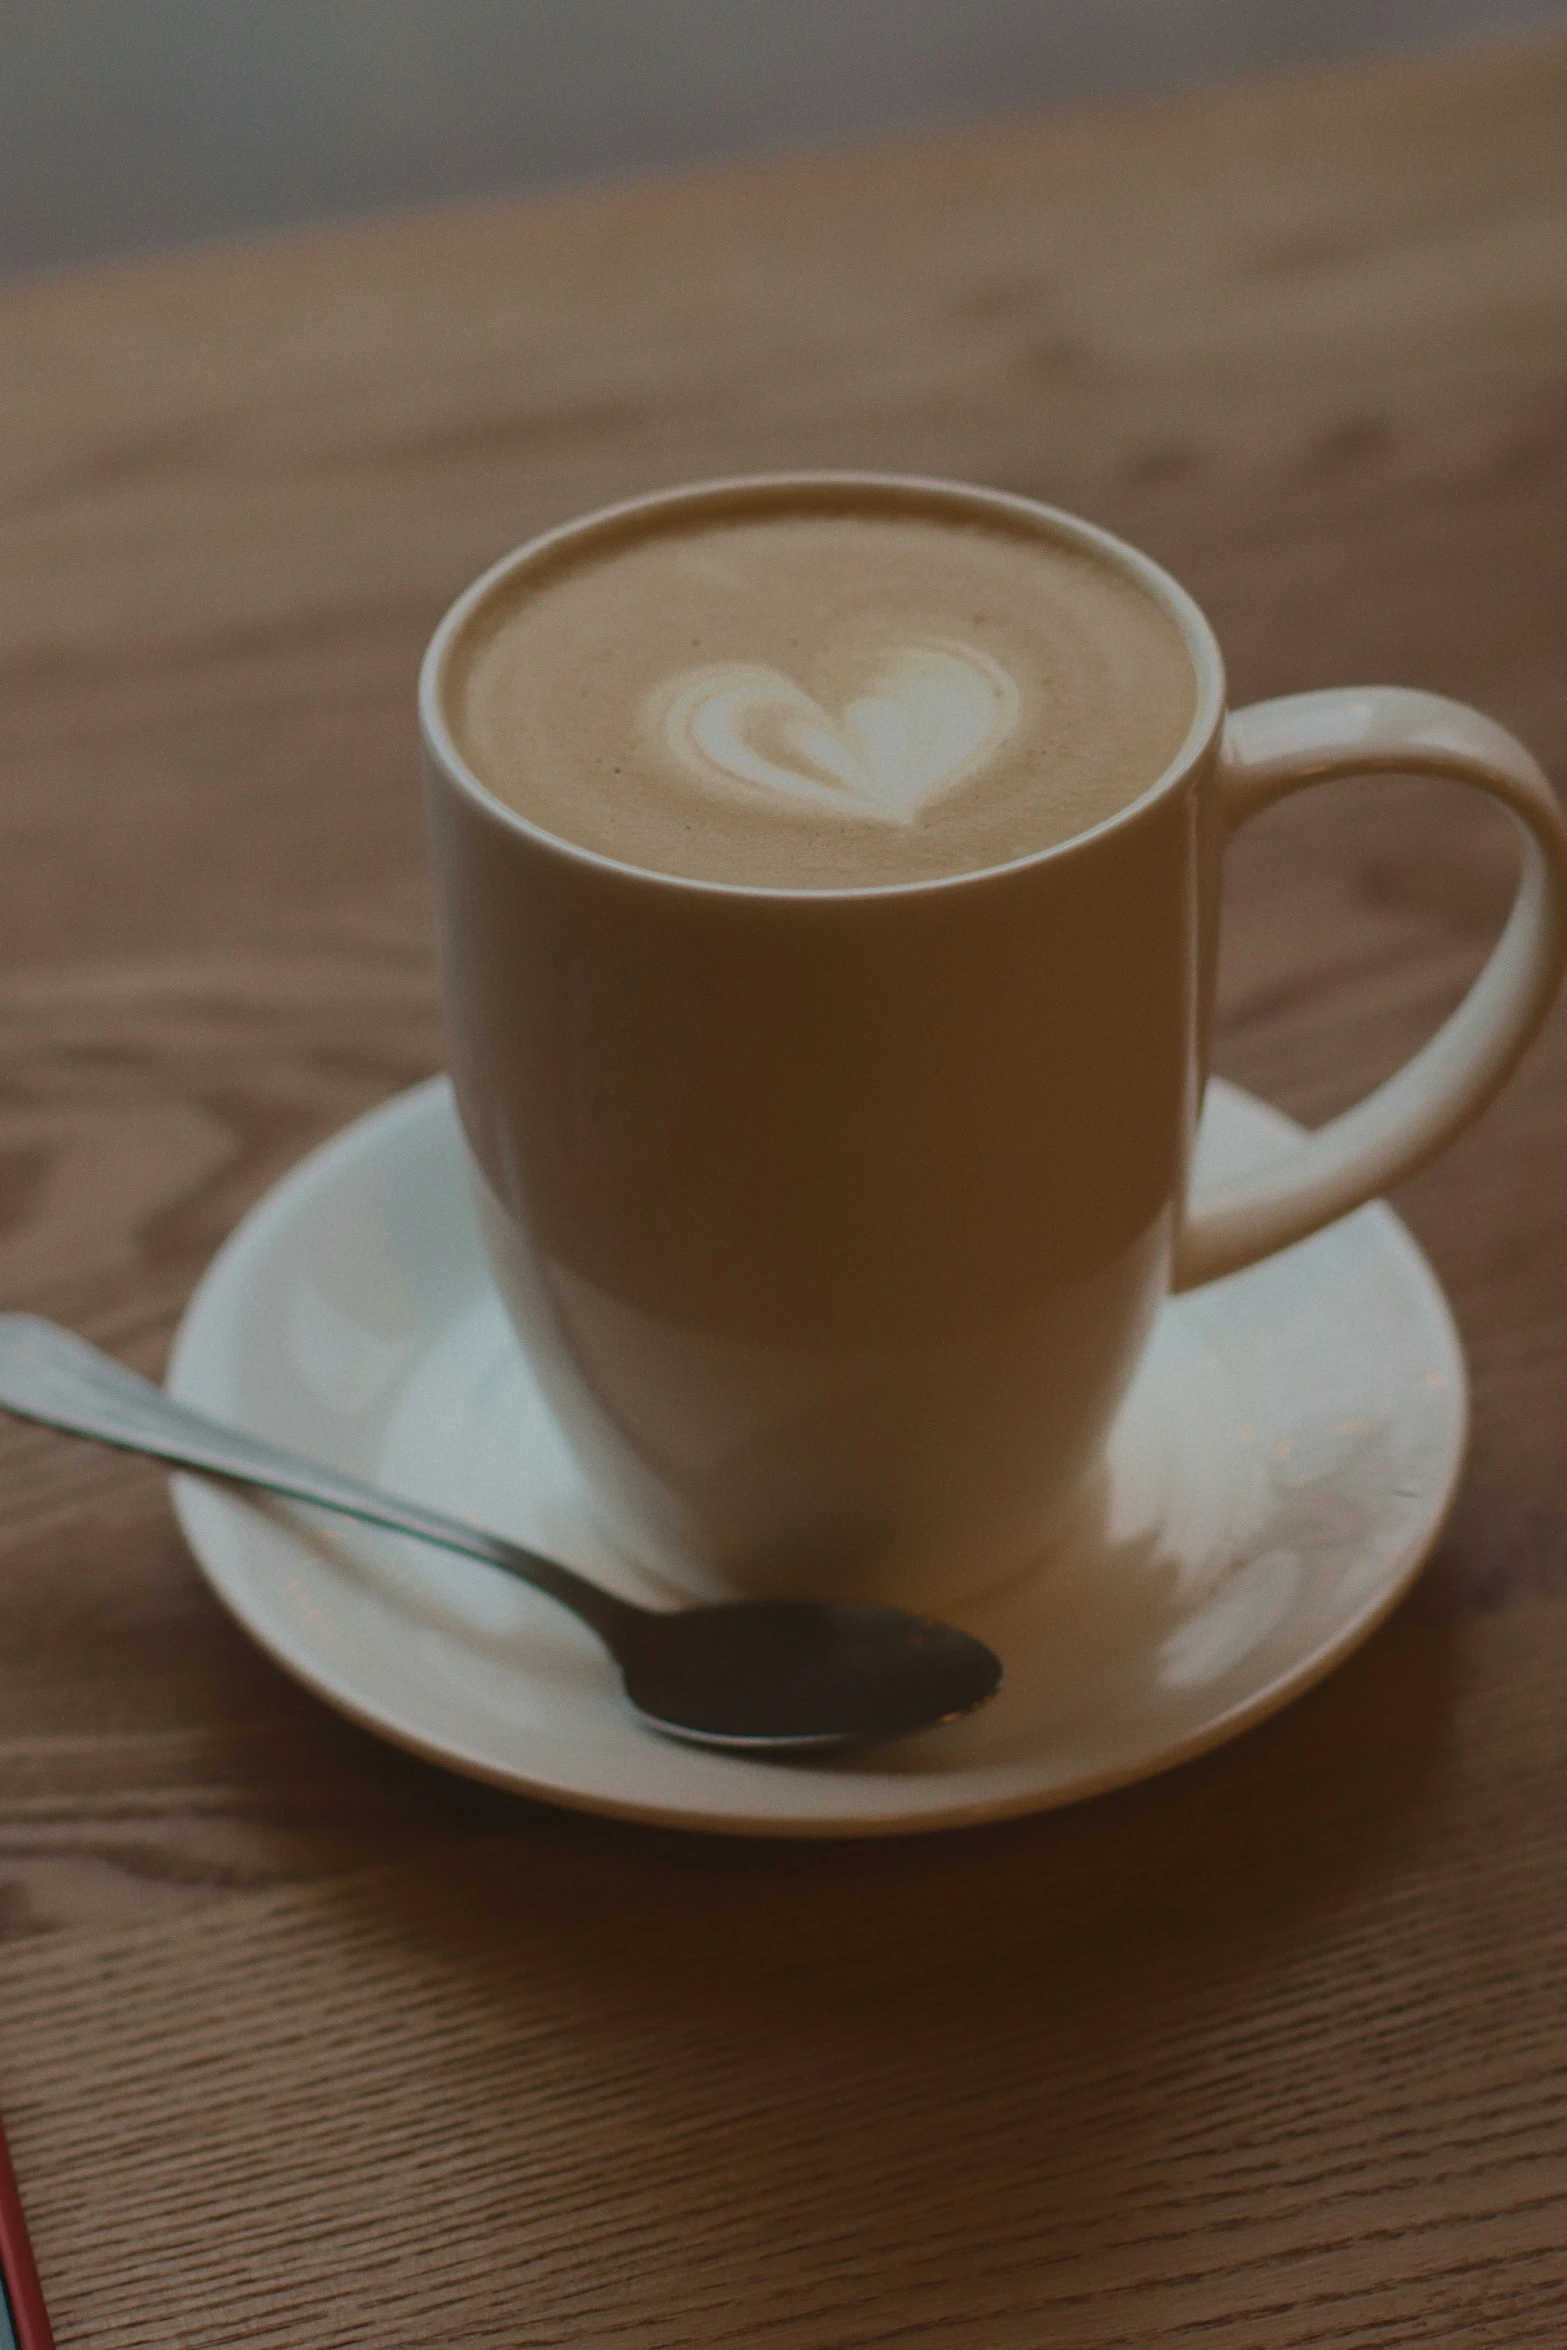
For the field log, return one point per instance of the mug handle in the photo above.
(1277, 747)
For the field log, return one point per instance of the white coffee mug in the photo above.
(834, 1222)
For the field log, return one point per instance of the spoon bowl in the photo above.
(800, 1676)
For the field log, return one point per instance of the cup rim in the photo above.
(1181, 608)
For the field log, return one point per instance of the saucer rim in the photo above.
(205, 1513)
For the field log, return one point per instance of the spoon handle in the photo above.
(48, 1374)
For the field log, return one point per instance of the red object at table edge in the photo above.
(23, 2291)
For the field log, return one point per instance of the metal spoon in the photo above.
(762, 1676)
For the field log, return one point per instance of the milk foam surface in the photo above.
(831, 694)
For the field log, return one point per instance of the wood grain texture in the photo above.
(642, 2090)
(1269, 2052)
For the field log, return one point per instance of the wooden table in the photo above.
(1269, 2051)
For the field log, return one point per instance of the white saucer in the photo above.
(1274, 1482)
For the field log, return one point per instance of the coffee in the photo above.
(832, 689)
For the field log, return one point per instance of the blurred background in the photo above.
(126, 126)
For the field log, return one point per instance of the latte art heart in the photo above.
(930, 715)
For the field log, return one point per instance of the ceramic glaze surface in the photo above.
(835, 1220)
(1270, 1485)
